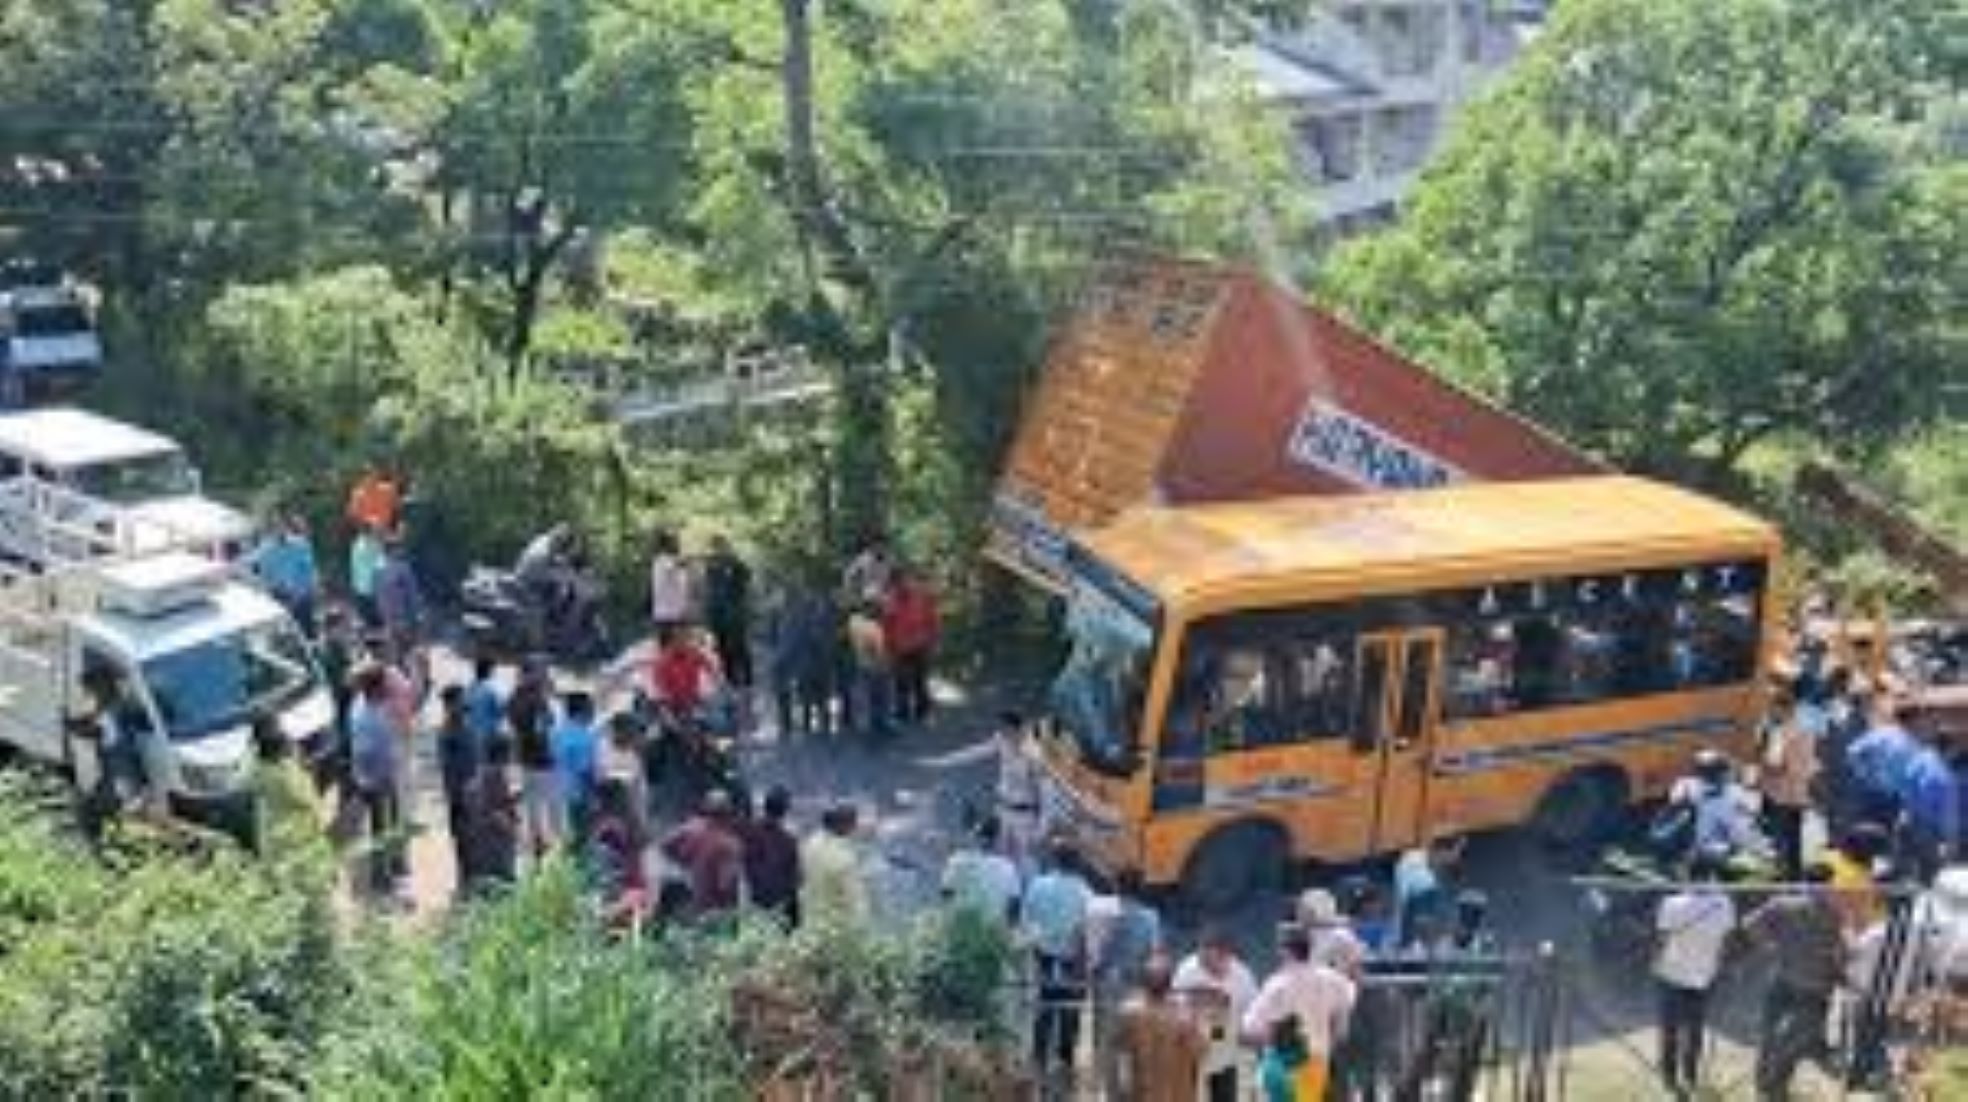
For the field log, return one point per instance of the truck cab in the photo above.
(48, 338)
(132, 486)
(199, 662)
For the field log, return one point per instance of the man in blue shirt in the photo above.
(285, 564)
(485, 705)
(1930, 799)
(1053, 920)
(399, 601)
(375, 769)
(576, 756)
(1880, 761)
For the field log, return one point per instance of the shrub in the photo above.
(527, 996)
(160, 974)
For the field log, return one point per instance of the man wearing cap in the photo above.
(1334, 944)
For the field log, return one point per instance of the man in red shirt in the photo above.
(683, 675)
(712, 856)
(910, 626)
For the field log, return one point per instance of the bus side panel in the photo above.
(1321, 794)
(1492, 773)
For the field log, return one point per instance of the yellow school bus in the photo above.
(1329, 679)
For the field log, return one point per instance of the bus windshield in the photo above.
(231, 680)
(1098, 695)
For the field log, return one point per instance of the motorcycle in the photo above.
(688, 755)
(504, 614)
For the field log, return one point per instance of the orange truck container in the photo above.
(1180, 382)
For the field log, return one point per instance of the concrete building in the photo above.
(1371, 86)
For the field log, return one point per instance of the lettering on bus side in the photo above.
(1334, 441)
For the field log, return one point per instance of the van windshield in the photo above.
(139, 479)
(51, 321)
(1098, 695)
(229, 681)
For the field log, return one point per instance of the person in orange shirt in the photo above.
(376, 501)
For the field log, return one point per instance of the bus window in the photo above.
(1226, 699)
(1369, 724)
(1566, 641)
(1321, 687)
(1262, 679)
(1417, 693)
(1098, 696)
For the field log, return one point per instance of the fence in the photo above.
(1455, 1027)
(1895, 1010)
(1536, 1028)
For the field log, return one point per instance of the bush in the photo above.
(156, 974)
(527, 996)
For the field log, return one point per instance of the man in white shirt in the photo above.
(1017, 792)
(1694, 926)
(979, 877)
(1219, 990)
(669, 584)
(1334, 944)
(1320, 998)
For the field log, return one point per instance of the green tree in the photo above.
(939, 172)
(161, 147)
(1681, 228)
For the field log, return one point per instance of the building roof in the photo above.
(1191, 551)
(64, 438)
(1284, 73)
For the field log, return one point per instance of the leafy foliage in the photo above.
(528, 996)
(155, 973)
(1679, 229)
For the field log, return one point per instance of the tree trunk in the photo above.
(527, 281)
(862, 454)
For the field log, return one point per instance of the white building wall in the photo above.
(1378, 84)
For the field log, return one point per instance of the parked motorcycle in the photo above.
(547, 603)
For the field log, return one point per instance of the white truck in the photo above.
(124, 488)
(198, 660)
(48, 338)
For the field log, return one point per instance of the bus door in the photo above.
(1397, 714)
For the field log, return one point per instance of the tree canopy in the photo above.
(1682, 228)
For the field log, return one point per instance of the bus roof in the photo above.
(1194, 553)
(65, 438)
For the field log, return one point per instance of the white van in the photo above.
(128, 483)
(199, 661)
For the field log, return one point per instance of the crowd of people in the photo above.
(531, 768)
(1379, 989)
(1881, 780)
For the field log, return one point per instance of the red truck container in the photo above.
(1181, 382)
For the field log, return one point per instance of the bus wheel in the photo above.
(1233, 863)
(1581, 809)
